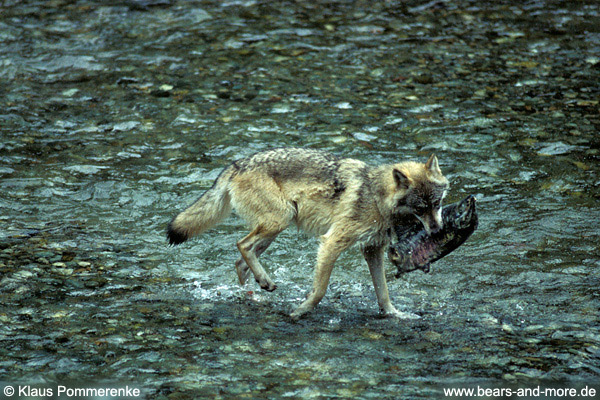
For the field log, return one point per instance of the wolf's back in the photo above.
(211, 208)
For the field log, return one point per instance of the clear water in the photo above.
(116, 115)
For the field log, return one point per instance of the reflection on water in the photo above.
(114, 116)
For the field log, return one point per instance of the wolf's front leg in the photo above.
(329, 250)
(374, 256)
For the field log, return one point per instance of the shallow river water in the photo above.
(115, 115)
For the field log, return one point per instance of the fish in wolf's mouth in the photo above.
(415, 249)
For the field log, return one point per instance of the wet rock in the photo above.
(163, 91)
(433, 336)
(84, 264)
(508, 328)
(424, 79)
(145, 5)
(528, 373)
(59, 264)
(94, 283)
(557, 148)
(63, 270)
(125, 126)
(73, 283)
(83, 62)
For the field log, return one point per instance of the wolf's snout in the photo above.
(435, 228)
(431, 225)
(432, 222)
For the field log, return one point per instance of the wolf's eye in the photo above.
(420, 209)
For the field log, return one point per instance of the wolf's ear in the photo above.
(401, 179)
(433, 166)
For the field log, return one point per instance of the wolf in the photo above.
(343, 201)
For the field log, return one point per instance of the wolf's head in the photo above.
(426, 189)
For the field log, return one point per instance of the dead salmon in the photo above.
(416, 249)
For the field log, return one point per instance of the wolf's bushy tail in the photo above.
(211, 208)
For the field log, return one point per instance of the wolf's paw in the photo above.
(299, 312)
(294, 316)
(306, 306)
(393, 313)
(267, 285)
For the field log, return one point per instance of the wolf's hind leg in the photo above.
(251, 247)
(242, 269)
